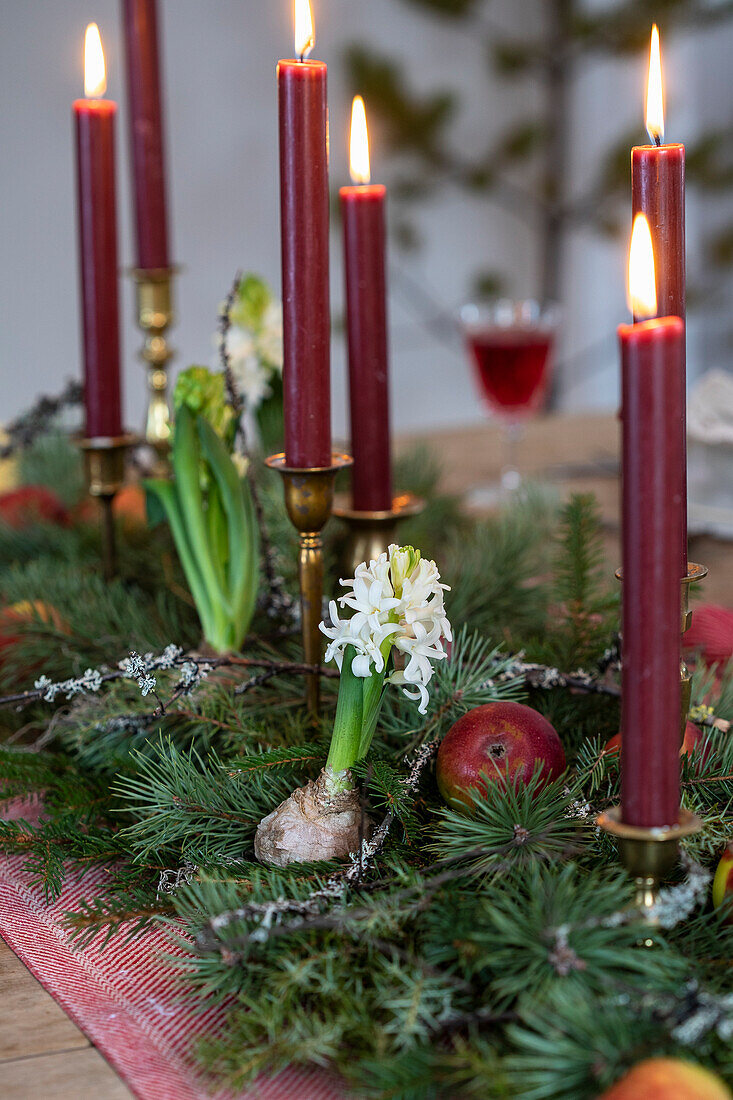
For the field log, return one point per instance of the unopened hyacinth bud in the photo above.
(241, 464)
(403, 560)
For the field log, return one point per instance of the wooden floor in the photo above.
(44, 1055)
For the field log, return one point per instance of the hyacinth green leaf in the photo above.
(242, 557)
(186, 462)
(347, 725)
(165, 493)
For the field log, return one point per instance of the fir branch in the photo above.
(225, 323)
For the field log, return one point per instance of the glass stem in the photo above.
(510, 477)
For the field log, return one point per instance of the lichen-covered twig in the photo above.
(141, 668)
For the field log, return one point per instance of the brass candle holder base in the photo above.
(649, 854)
(154, 316)
(370, 533)
(308, 502)
(104, 469)
(694, 573)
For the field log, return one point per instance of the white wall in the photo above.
(219, 61)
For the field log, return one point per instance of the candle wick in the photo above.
(658, 140)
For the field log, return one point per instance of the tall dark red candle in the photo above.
(652, 366)
(140, 27)
(362, 211)
(95, 158)
(658, 192)
(304, 215)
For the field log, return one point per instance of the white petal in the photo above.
(361, 666)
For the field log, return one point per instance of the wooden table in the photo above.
(44, 1054)
(576, 454)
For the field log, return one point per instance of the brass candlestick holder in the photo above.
(370, 533)
(154, 316)
(649, 854)
(104, 468)
(308, 502)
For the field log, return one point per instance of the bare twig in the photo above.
(26, 428)
(279, 601)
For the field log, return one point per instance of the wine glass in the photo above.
(510, 345)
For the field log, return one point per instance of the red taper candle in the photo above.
(140, 32)
(362, 211)
(95, 158)
(658, 192)
(304, 213)
(652, 367)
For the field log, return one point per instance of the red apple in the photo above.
(668, 1079)
(692, 739)
(31, 504)
(723, 881)
(711, 634)
(493, 741)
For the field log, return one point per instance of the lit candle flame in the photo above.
(642, 292)
(95, 74)
(359, 143)
(655, 92)
(305, 35)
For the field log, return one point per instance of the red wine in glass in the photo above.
(512, 367)
(510, 346)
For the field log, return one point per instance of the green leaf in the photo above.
(348, 724)
(165, 493)
(241, 537)
(186, 460)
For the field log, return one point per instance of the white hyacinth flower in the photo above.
(398, 600)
